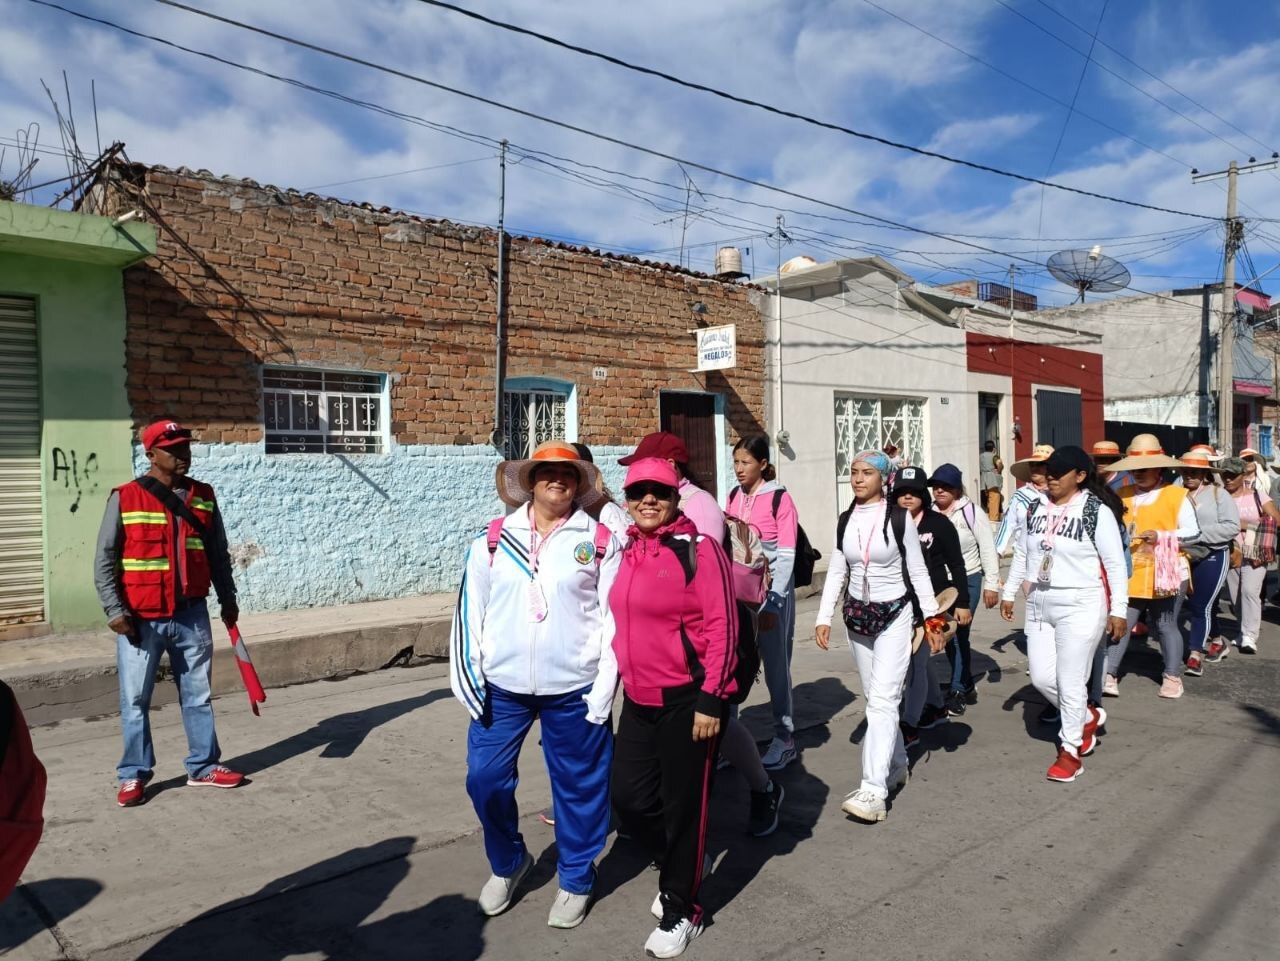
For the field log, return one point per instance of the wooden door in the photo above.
(692, 418)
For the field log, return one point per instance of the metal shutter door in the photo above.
(21, 528)
(1058, 418)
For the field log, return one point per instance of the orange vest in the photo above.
(1159, 515)
(149, 572)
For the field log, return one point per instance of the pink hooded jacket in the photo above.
(669, 633)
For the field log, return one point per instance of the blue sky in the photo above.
(843, 60)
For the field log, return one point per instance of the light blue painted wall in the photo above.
(312, 530)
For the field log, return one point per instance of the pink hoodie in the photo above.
(670, 634)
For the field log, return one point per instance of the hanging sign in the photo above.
(717, 347)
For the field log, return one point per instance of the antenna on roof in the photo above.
(1089, 270)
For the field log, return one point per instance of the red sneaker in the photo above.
(218, 776)
(132, 793)
(1066, 768)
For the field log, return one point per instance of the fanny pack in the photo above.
(870, 618)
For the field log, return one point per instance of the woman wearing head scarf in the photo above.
(1245, 582)
(675, 642)
(1219, 521)
(878, 576)
(1161, 522)
(531, 639)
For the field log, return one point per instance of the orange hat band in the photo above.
(556, 453)
(1147, 453)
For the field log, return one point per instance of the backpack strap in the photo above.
(603, 536)
(897, 517)
(686, 551)
(493, 534)
(777, 499)
(842, 525)
(969, 512)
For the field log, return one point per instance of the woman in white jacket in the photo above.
(532, 639)
(1070, 564)
(876, 568)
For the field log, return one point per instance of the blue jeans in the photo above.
(578, 755)
(959, 652)
(189, 643)
(1207, 579)
(776, 645)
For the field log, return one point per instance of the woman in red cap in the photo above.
(675, 616)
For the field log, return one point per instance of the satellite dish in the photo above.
(1089, 270)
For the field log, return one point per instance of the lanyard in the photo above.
(1055, 523)
(535, 544)
(866, 551)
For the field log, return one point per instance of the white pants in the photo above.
(1064, 627)
(1246, 600)
(882, 664)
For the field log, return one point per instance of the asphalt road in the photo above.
(355, 838)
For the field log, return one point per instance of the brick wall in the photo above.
(247, 275)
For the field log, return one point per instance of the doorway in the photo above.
(989, 419)
(692, 418)
(1058, 417)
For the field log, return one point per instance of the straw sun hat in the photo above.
(946, 598)
(1199, 459)
(515, 477)
(1021, 469)
(1144, 452)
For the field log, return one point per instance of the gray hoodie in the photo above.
(1217, 515)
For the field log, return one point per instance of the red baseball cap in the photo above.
(164, 433)
(661, 444)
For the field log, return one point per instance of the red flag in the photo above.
(252, 686)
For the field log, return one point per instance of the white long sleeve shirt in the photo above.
(977, 542)
(1014, 523)
(495, 639)
(866, 536)
(1078, 560)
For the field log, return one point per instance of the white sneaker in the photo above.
(898, 777)
(496, 895)
(568, 910)
(864, 806)
(656, 908)
(1248, 645)
(671, 937)
(1111, 686)
(780, 754)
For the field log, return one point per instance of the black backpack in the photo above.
(895, 517)
(806, 554)
(748, 649)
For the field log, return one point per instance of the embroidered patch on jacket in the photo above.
(584, 552)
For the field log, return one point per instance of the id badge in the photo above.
(1046, 565)
(537, 602)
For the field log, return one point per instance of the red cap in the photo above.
(164, 433)
(652, 469)
(661, 444)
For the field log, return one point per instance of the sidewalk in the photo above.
(74, 675)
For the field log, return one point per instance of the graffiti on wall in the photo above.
(75, 473)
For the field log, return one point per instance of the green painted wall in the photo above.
(85, 446)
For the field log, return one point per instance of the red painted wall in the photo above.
(1044, 365)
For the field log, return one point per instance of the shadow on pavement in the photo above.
(1031, 702)
(1267, 722)
(319, 911)
(39, 905)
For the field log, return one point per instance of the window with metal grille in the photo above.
(532, 417)
(1264, 440)
(872, 423)
(309, 411)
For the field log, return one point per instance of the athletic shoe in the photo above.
(1089, 739)
(656, 908)
(910, 735)
(673, 933)
(780, 754)
(931, 717)
(955, 703)
(1170, 686)
(568, 910)
(1195, 664)
(898, 777)
(864, 806)
(1066, 768)
(1216, 650)
(496, 895)
(1050, 715)
(1139, 629)
(1098, 718)
(971, 696)
(1248, 645)
(1111, 686)
(217, 776)
(132, 793)
(765, 806)
(548, 818)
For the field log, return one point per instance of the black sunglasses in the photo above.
(638, 492)
(168, 435)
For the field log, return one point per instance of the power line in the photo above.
(779, 111)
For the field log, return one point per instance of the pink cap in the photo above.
(651, 469)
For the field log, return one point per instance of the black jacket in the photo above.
(941, 546)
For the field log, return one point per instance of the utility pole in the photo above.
(499, 438)
(1227, 331)
(777, 239)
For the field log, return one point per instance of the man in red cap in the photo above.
(161, 547)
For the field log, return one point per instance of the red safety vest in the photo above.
(148, 569)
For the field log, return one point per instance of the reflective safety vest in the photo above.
(149, 572)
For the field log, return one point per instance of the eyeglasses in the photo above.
(638, 492)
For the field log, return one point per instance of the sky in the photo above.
(1021, 85)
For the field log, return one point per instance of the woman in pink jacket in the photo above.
(676, 630)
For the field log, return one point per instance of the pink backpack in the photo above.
(603, 535)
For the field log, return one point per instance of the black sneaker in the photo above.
(955, 703)
(971, 696)
(931, 717)
(765, 806)
(910, 735)
(1050, 715)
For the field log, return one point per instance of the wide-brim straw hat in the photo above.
(1200, 461)
(946, 600)
(1021, 469)
(515, 477)
(1144, 452)
(1207, 451)
(1106, 448)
